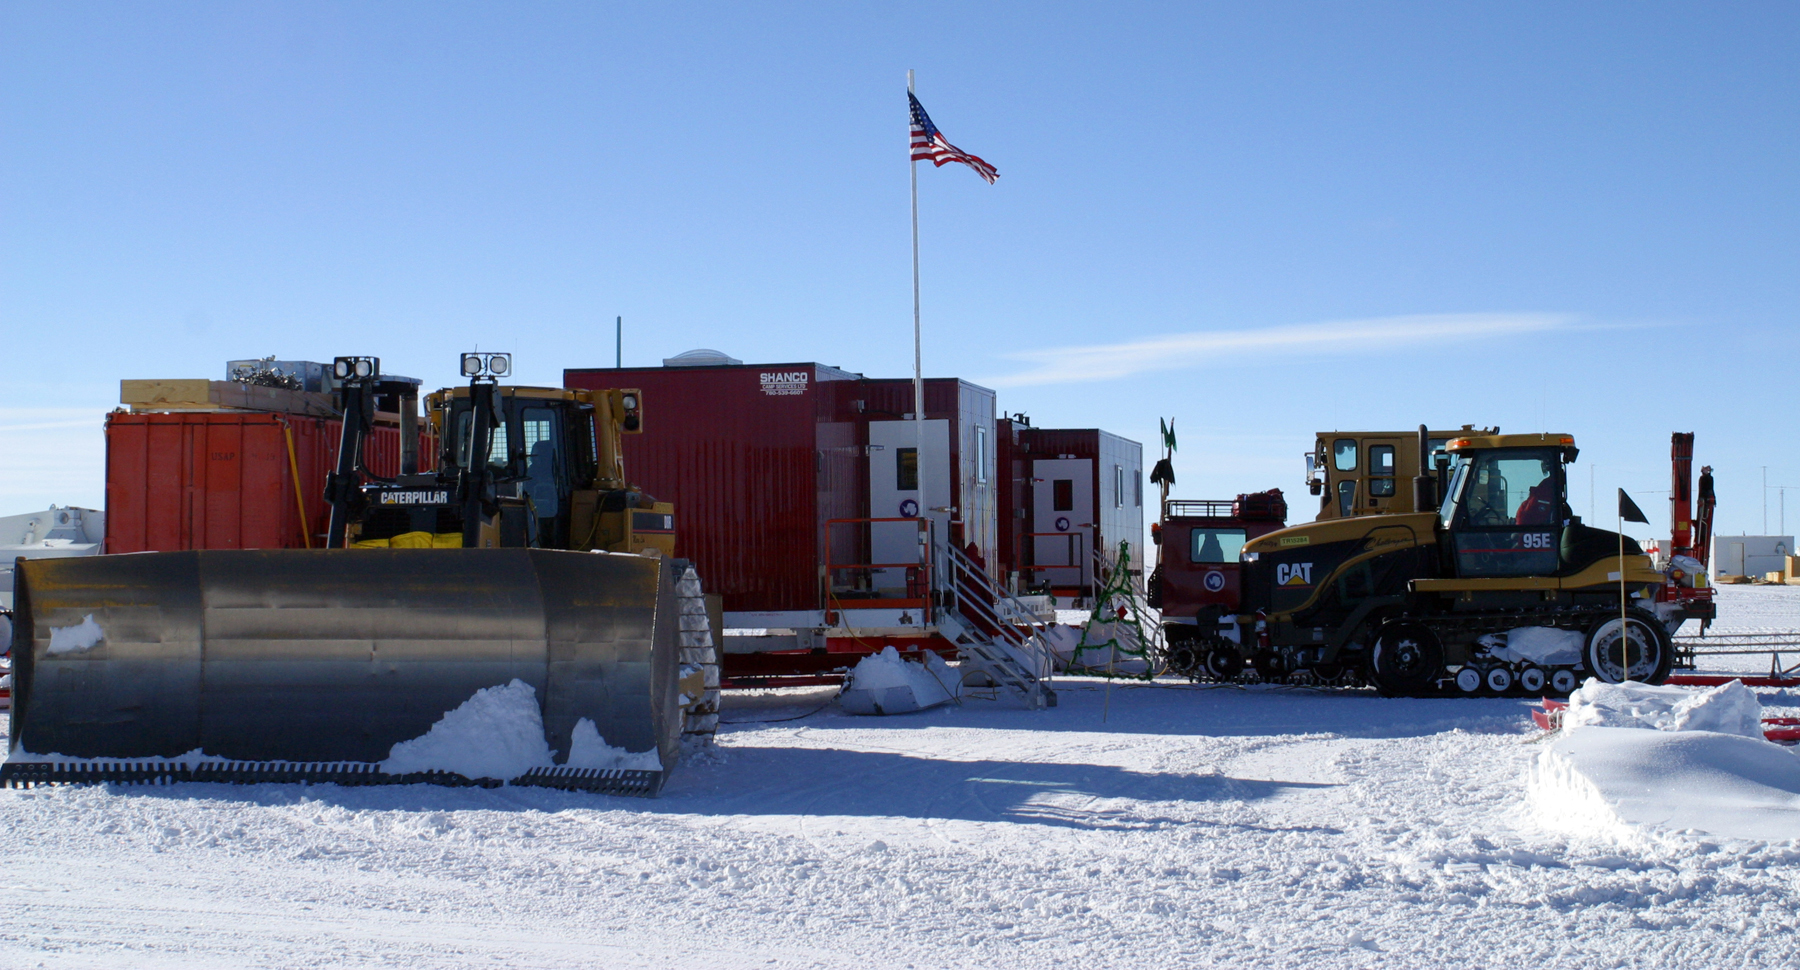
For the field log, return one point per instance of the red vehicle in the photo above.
(1196, 583)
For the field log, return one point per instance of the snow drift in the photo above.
(1634, 758)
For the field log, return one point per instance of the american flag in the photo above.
(929, 145)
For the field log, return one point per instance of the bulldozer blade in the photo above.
(306, 661)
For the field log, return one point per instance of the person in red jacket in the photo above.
(1539, 507)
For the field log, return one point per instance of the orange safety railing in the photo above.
(864, 595)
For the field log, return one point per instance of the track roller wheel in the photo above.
(1408, 659)
(1647, 653)
(1563, 681)
(1468, 680)
(1532, 679)
(1269, 667)
(1183, 659)
(1224, 663)
(1499, 680)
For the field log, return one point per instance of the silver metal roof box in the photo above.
(701, 358)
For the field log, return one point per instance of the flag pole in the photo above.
(1624, 628)
(912, 167)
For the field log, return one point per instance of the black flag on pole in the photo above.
(1629, 511)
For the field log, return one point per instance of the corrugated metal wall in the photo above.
(222, 479)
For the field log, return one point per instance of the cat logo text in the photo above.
(1295, 574)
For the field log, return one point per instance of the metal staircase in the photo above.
(996, 636)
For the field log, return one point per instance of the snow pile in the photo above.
(882, 683)
(498, 733)
(1634, 757)
(75, 639)
(1609, 781)
(587, 749)
(1535, 644)
(1730, 708)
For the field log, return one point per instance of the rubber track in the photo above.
(607, 781)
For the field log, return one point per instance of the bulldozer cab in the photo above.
(540, 452)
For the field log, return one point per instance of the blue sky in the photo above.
(1264, 220)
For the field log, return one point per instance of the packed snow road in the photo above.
(1141, 826)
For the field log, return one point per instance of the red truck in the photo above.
(1196, 581)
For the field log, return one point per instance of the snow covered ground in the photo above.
(1132, 826)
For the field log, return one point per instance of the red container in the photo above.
(224, 479)
(1073, 491)
(758, 458)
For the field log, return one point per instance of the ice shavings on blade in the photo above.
(497, 733)
(1730, 708)
(883, 683)
(20, 755)
(74, 639)
(587, 749)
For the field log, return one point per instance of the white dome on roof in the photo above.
(701, 358)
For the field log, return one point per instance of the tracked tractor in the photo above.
(524, 554)
(1500, 589)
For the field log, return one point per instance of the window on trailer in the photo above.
(1118, 486)
(906, 469)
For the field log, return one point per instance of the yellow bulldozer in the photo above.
(525, 555)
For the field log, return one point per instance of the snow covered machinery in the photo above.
(1494, 586)
(525, 556)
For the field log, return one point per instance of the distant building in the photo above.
(1750, 555)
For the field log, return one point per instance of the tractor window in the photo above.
(543, 460)
(465, 421)
(1509, 515)
(1215, 545)
(581, 439)
(1347, 497)
(1343, 454)
(1381, 471)
(1513, 487)
(1453, 492)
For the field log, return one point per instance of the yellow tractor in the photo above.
(1500, 590)
(524, 555)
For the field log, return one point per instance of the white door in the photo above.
(1734, 559)
(1062, 507)
(893, 447)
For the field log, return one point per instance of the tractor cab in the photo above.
(1506, 510)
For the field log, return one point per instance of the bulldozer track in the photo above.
(609, 781)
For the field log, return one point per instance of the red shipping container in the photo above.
(226, 479)
(758, 458)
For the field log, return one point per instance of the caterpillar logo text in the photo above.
(420, 497)
(1295, 574)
